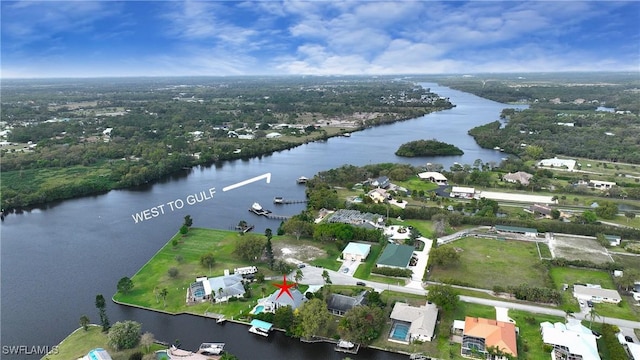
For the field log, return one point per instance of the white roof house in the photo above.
(423, 319)
(570, 341)
(433, 176)
(597, 184)
(558, 163)
(356, 251)
(463, 192)
(518, 177)
(596, 294)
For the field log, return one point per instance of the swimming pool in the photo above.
(162, 355)
(258, 309)
(400, 332)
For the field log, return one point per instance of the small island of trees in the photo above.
(427, 148)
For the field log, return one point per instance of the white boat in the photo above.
(258, 331)
(211, 348)
(345, 344)
(256, 207)
(302, 180)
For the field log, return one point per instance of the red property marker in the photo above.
(284, 287)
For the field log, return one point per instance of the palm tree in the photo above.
(220, 293)
(593, 313)
(299, 275)
(84, 322)
(164, 294)
(213, 296)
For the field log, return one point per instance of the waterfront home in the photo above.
(412, 323)
(570, 341)
(339, 304)
(272, 302)
(220, 287)
(480, 335)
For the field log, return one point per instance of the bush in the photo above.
(136, 356)
(173, 272)
(395, 272)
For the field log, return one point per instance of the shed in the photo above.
(517, 230)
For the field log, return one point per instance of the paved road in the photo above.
(313, 276)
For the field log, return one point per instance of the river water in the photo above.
(55, 259)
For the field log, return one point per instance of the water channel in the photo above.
(56, 258)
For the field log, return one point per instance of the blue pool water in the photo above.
(400, 332)
(162, 355)
(258, 309)
(199, 293)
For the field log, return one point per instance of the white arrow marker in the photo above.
(248, 181)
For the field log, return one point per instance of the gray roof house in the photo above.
(201, 289)
(339, 304)
(596, 294)
(422, 320)
(272, 302)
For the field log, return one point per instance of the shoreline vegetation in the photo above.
(80, 148)
(428, 148)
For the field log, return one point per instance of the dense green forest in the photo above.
(75, 137)
(540, 133)
(427, 148)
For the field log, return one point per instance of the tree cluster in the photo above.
(427, 148)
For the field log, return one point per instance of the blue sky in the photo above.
(172, 38)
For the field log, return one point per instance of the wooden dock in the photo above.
(278, 200)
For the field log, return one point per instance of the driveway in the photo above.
(421, 265)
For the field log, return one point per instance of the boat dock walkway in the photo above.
(281, 201)
(268, 214)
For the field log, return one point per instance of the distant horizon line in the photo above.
(470, 74)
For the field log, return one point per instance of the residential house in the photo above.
(272, 302)
(481, 334)
(433, 176)
(381, 182)
(420, 320)
(543, 210)
(356, 251)
(379, 195)
(518, 177)
(529, 232)
(596, 294)
(397, 256)
(462, 192)
(603, 185)
(339, 304)
(223, 288)
(570, 341)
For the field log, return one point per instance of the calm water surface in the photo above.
(55, 259)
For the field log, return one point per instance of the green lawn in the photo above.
(485, 263)
(80, 342)
(364, 270)
(566, 275)
(153, 276)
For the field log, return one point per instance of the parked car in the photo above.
(345, 270)
(360, 283)
(628, 339)
(589, 303)
(301, 266)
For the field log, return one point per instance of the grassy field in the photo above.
(153, 276)
(485, 263)
(565, 275)
(80, 342)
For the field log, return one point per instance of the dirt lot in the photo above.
(297, 253)
(578, 248)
